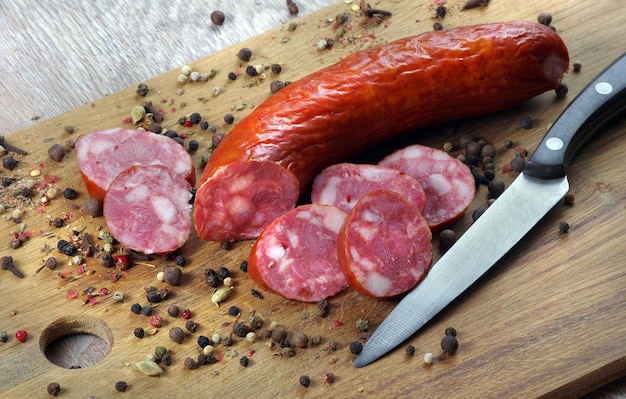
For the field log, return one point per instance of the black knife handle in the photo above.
(600, 102)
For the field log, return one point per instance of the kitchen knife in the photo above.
(540, 186)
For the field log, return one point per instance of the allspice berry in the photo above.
(177, 335)
(53, 388)
(173, 275)
(449, 344)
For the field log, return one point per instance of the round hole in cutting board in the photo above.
(76, 342)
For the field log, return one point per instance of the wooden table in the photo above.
(73, 54)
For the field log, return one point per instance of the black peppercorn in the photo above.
(256, 293)
(244, 361)
(517, 164)
(441, 11)
(244, 266)
(233, 311)
(278, 334)
(66, 248)
(526, 122)
(324, 307)
(496, 188)
(450, 331)
(8, 162)
(153, 296)
(166, 359)
(241, 329)
(195, 118)
(211, 278)
(191, 326)
(563, 227)
(229, 118)
(139, 332)
(250, 70)
(193, 145)
(147, 310)
(121, 386)
(276, 85)
(276, 68)
(223, 272)
(203, 341)
(135, 308)
(410, 350)
(57, 222)
(232, 76)
(142, 90)
(305, 381)
(356, 347)
(245, 54)
(190, 364)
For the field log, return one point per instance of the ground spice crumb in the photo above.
(563, 228)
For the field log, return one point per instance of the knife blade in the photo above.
(540, 186)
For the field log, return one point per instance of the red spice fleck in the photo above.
(104, 291)
(21, 335)
(186, 314)
(81, 269)
(506, 169)
(50, 178)
(188, 123)
(183, 136)
(115, 277)
(156, 321)
(72, 294)
(251, 352)
(220, 357)
(173, 109)
(127, 121)
(122, 262)
(338, 323)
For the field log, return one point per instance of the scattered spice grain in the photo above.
(356, 347)
(177, 335)
(142, 89)
(563, 228)
(475, 3)
(562, 90)
(173, 275)
(218, 17)
(92, 207)
(21, 335)
(305, 381)
(409, 350)
(121, 386)
(56, 152)
(139, 332)
(449, 344)
(544, 18)
(324, 308)
(53, 388)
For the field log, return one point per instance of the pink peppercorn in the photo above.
(186, 314)
(21, 335)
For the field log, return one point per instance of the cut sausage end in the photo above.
(384, 247)
(147, 209)
(240, 199)
(447, 182)
(103, 154)
(296, 255)
(342, 185)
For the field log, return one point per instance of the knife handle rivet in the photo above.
(554, 143)
(603, 88)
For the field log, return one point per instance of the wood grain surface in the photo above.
(546, 322)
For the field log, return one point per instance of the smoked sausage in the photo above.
(148, 209)
(448, 183)
(342, 185)
(381, 92)
(103, 154)
(384, 247)
(296, 255)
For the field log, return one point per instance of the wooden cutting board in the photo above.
(545, 322)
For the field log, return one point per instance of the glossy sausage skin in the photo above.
(381, 92)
